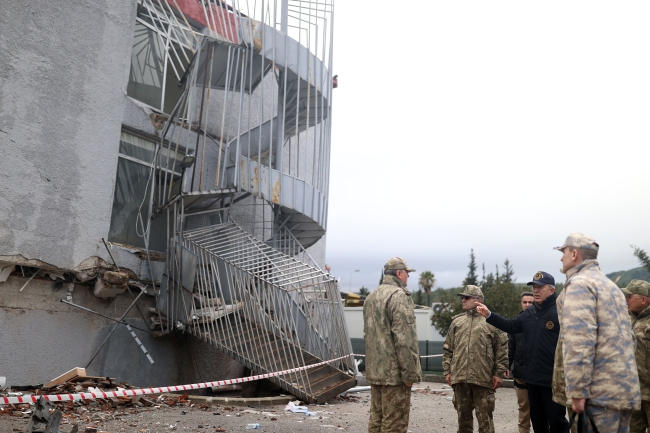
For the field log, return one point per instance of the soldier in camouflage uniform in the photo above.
(475, 360)
(595, 368)
(392, 353)
(637, 296)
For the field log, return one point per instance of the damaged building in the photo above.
(163, 205)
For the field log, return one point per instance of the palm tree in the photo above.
(426, 281)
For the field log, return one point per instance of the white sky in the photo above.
(500, 126)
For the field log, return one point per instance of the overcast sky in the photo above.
(499, 126)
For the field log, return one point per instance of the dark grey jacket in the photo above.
(516, 358)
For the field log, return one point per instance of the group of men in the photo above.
(586, 349)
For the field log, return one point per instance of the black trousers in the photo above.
(546, 416)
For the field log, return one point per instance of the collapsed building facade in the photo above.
(166, 166)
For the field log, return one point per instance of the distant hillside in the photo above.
(623, 278)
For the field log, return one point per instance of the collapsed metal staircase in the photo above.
(265, 309)
(260, 299)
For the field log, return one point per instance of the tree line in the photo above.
(502, 293)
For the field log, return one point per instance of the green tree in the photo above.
(427, 281)
(363, 291)
(487, 280)
(642, 256)
(424, 295)
(423, 298)
(501, 293)
(472, 278)
(451, 306)
(508, 272)
(504, 298)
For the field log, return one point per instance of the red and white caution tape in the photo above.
(145, 391)
(421, 356)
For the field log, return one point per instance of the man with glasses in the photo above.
(595, 369)
(392, 353)
(475, 361)
(540, 327)
(637, 296)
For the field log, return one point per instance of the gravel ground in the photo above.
(430, 412)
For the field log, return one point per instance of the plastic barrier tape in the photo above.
(421, 356)
(145, 391)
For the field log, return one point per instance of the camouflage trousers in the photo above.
(390, 407)
(607, 420)
(639, 422)
(468, 398)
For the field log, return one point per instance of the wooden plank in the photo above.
(83, 378)
(77, 371)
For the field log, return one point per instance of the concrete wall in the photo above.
(63, 78)
(43, 338)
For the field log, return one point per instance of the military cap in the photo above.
(397, 264)
(471, 291)
(542, 278)
(579, 240)
(637, 287)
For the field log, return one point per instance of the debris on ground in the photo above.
(46, 418)
(77, 374)
(429, 391)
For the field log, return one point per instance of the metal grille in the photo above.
(264, 308)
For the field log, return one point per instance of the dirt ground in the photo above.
(430, 412)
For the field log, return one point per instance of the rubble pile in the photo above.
(91, 413)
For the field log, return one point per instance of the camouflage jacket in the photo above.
(474, 351)
(641, 329)
(594, 358)
(392, 354)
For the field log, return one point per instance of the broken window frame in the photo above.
(175, 41)
(133, 183)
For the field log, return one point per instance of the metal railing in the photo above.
(255, 110)
(266, 309)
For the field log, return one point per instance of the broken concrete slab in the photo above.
(111, 284)
(116, 278)
(46, 418)
(5, 271)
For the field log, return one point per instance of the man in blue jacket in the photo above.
(541, 328)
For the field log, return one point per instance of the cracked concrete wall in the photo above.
(63, 78)
(43, 338)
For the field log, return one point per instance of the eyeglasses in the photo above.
(467, 298)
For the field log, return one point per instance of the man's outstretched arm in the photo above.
(511, 326)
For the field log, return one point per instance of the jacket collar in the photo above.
(548, 302)
(393, 281)
(574, 270)
(644, 313)
(472, 312)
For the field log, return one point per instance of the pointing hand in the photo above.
(482, 310)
